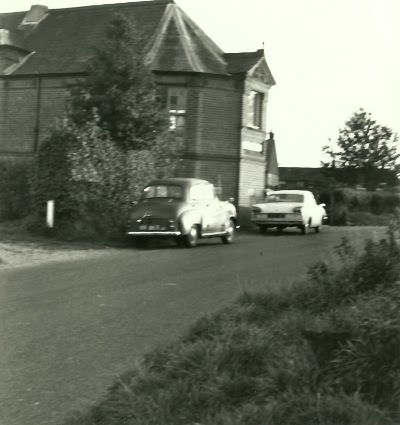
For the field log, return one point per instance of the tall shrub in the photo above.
(121, 89)
(113, 139)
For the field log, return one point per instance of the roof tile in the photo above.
(65, 39)
(242, 62)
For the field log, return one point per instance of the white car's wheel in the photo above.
(192, 237)
(306, 227)
(230, 233)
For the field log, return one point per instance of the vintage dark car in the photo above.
(185, 209)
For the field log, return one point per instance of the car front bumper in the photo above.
(273, 223)
(167, 233)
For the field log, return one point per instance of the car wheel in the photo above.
(279, 230)
(305, 227)
(317, 229)
(192, 237)
(263, 230)
(230, 233)
(180, 241)
(141, 242)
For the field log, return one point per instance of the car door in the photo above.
(203, 200)
(202, 207)
(213, 220)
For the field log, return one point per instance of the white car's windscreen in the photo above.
(285, 197)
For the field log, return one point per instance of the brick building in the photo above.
(217, 101)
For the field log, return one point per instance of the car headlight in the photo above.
(256, 210)
(297, 210)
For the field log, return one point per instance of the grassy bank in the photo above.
(324, 352)
(361, 208)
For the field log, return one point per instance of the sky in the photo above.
(329, 58)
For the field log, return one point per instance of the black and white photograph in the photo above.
(199, 212)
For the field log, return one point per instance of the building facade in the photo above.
(217, 101)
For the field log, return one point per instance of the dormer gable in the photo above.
(252, 65)
(12, 50)
(180, 45)
(35, 15)
(262, 73)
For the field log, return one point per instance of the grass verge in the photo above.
(324, 352)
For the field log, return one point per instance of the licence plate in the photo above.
(276, 215)
(150, 227)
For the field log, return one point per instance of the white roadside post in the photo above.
(50, 214)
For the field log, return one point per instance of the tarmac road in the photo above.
(67, 330)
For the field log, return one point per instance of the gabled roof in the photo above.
(179, 44)
(61, 41)
(253, 64)
(243, 62)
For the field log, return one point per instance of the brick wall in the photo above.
(213, 120)
(215, 126)
(219, 118)
(19, 101)
(217, 138)
(252, 180)
(28, 106)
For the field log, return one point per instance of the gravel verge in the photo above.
(18, 248)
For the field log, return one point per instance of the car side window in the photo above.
(196, 192)
(312, 200)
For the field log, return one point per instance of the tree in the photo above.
(366, 152)
(120, 88)
(113, 139)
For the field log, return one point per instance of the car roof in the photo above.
(182, 181)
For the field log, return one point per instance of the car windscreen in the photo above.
(168, 191)
(285, 197)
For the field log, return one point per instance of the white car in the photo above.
(289, 208)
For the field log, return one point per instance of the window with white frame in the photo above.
(173, 99)
(255, 109)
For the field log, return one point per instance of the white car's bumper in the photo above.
(277, 219)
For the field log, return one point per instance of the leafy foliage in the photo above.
(366, 151)
(113, 140)
(348, 206)
(121, 89)
(93, 181)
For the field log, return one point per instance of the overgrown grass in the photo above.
(365, 218)
(361, 208)
(325, 352)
